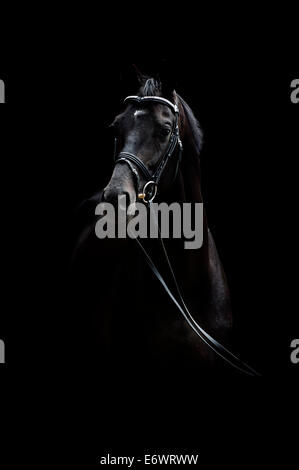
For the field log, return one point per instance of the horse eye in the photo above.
(165, 131)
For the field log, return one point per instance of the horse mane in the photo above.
(196, 133)
(192, 144)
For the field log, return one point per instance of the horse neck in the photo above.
(187, 189)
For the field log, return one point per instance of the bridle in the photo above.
(148, 195)
(152, 180)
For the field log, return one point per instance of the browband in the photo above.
(156, 99)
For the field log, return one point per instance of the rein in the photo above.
(179, 302)
(148, 195)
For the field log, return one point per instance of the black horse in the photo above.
(129, 316)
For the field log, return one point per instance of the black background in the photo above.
(57, 151)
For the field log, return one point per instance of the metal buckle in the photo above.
(152, 194)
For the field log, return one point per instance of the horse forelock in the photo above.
(150, 87)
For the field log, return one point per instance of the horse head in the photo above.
(148, 147)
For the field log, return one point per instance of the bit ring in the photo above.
(143, 195)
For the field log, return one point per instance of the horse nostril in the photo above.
(110, 196)
(121, 200)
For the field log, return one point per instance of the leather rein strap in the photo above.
(179, 302)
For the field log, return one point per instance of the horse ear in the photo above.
(131, 79)
(139, 75)
(168, 90)
(168, 80)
